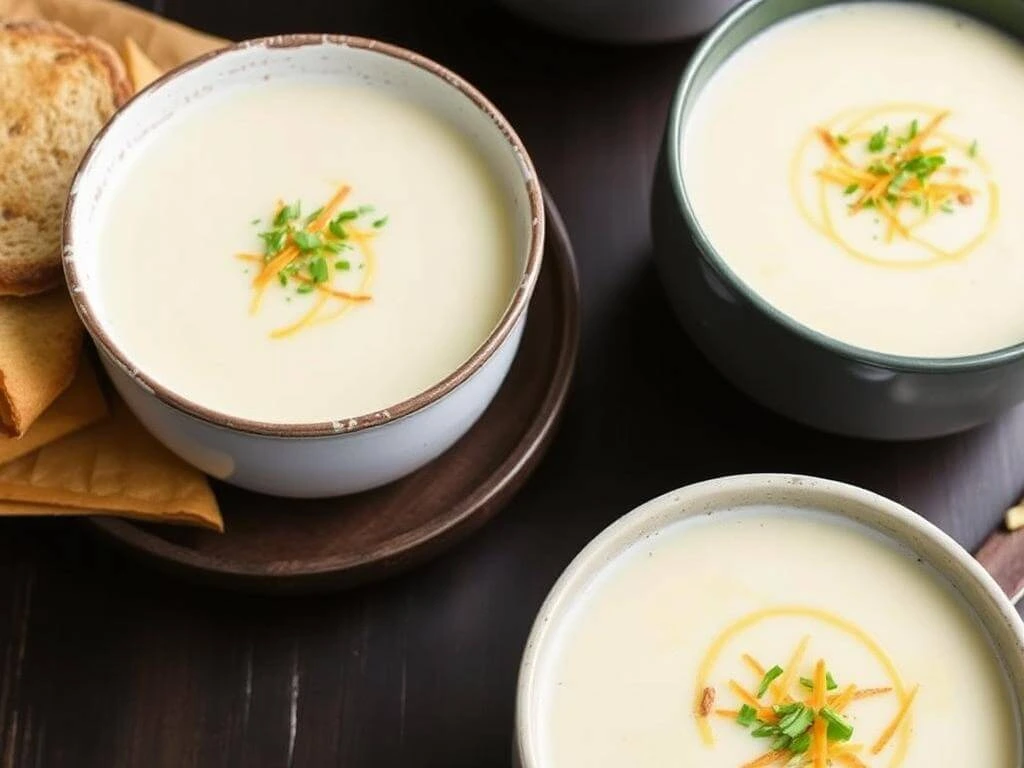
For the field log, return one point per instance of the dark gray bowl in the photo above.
(777, 361)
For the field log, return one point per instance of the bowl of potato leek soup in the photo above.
(773, 620)
(834, 211)
(306, 261)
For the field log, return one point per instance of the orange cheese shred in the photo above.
(769, 758)
(901, 715)
(754, 665)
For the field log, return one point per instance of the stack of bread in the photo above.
(66, 445)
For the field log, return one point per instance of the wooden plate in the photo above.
(275, 545)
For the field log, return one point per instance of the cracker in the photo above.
(40, 345)
(81, 404)
(114, 467)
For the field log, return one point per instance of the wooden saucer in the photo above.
(276, 545)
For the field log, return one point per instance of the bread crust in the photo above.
(26, 277)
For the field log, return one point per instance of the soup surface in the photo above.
(679, 649)
(859, 167)
(223, 282)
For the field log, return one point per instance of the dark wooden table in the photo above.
(103, 663)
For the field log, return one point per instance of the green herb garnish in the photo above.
(830, 682)
(307, 241)
(972, 151)
(839, 728)
(879, 139)
(769, 676)
(851, 188)
(287, 213)
(747, 715)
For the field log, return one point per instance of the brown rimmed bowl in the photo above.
(353, 452)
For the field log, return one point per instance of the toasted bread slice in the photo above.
(59, 89)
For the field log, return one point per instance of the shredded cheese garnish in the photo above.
(311, 254)
(800, 718)
(899, 719)
(901, 174)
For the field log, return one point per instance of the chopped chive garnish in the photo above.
(343, 265)
(287, 213)
(337, 228)
(764, 730)
(801, 743)
(305, 288)
(347, 216)
(830, 682)
(312, 217)
(779, 742)
(769, 676)
(255, 221)
(973, 149)
(380, 222)
(273, 241)
(282, 278)
(365, 209)
(797, 722)
(839, 728)
(851, 188)
(307, 241)
(842, 140)
(318, 270)
(747, 715)
(878, 139)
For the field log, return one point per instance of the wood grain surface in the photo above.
(103, 663)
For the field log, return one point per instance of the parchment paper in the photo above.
(165, 42)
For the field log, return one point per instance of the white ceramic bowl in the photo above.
(993, 609)
(623, 21)
(352, 452)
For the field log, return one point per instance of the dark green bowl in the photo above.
(783, 364)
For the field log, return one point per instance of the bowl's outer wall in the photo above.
(317, 467)
(789, 372)
(623, 21)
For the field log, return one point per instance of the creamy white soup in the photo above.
(762, 637)
(304, 252)
(861, 168)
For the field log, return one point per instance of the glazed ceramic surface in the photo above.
(781, 363)
(352, 452)
(946, 582)
(621, 21)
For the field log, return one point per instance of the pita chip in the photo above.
(141, 68)
(114, 467)
(41, 344)
(81, 404)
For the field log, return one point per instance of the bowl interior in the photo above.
(744, 23)
(907, 530)
(333, 59)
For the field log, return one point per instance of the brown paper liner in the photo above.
(113, 466)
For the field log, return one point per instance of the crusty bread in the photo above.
(58, 89)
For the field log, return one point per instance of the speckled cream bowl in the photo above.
(352, 452)
(722, 497)
(785, 365)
